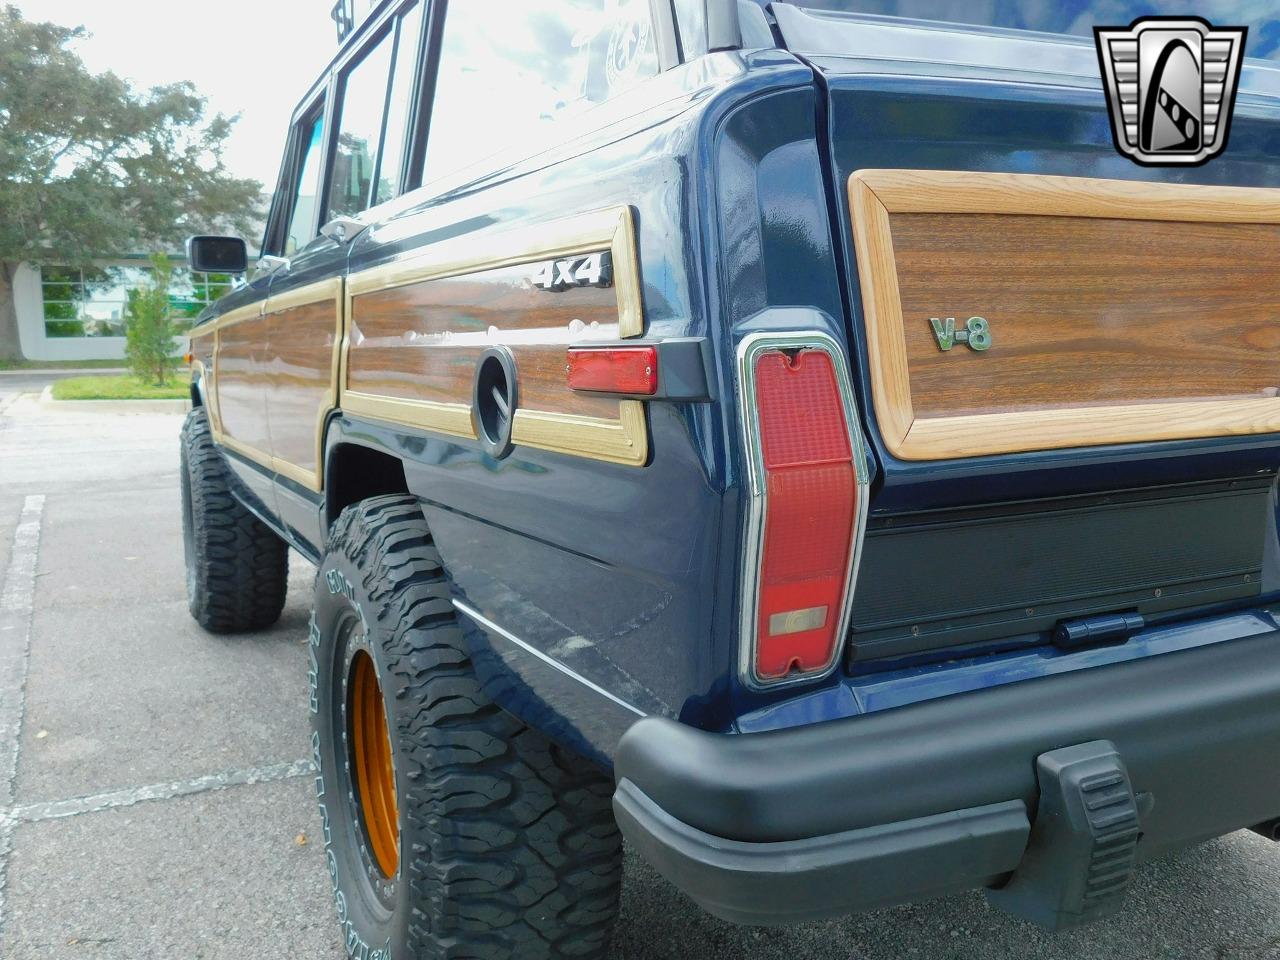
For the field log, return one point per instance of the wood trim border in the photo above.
(318, 292)
(451, 418)
(949, 191)
(283, 467)
(200, 372)
(250, 311)
(624, 440)
(875, 194)
(211, 395)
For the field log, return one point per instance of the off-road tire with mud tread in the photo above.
(237, 567)
(508, 846)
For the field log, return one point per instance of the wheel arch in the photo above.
(197, 390)
(355, 471)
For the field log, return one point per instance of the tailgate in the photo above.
(1070, 363)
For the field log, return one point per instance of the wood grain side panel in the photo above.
(1088, 312)
(419, 324)
(202, 352)
(241, 380)
(302, 344)
(422, 341)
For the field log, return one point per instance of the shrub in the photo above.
(149, 326)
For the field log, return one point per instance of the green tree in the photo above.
(149, 328)
(90, 167)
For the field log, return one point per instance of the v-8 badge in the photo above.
(976, 332)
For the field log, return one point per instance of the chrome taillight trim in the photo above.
(749, 351)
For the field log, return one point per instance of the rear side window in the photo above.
(362, 106)
(302, 223)
(403, 77)
(375, 95)
(509, 69)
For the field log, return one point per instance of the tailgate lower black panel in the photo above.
(961, 577)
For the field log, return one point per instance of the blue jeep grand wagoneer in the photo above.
(790, 437)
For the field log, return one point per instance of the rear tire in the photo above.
(237, 568)
(504, 843)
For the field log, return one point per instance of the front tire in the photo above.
(495, 842)
(237, 568)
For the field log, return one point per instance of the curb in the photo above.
(111, 406)
(31, 372)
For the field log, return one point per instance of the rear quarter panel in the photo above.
(603, 587)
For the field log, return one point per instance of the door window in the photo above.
(508, 72)
(302, 222)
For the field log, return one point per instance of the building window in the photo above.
(94, 302)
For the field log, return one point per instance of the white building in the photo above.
(65, 313)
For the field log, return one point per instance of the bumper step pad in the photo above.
(1080, 859)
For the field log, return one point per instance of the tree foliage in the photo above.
(91, 168)
(149, 327)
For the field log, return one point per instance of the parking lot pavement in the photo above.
(162, 804)
(14, 383)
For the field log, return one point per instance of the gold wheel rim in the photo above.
(375, 773)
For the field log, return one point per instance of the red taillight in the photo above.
(625, 370)
(810, 504)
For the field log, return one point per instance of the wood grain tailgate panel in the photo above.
(1088, 311)
(1119, 311)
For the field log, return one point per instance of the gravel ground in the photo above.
(129, 704)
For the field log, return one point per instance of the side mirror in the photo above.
(217, 254)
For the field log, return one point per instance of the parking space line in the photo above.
(57, 809)
(16, 603)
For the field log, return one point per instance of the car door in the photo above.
(364, 141)
(232, 350)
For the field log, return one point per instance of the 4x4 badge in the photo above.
(976, 332)
(595, 270)
(1171, 86)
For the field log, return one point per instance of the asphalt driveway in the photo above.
(155, 799)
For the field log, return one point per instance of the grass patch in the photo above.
(9, 364)
(118, 388)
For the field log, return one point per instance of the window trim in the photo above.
(420, 112)
(666, 38)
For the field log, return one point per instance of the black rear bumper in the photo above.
(941, 796)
